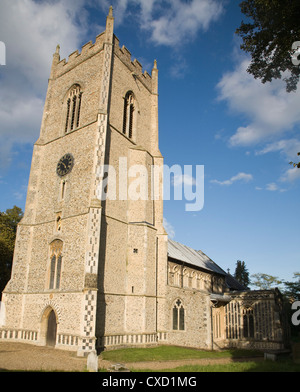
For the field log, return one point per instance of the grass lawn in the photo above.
(165, 353)
(251, 366)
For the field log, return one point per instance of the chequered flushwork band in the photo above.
(92, 254)
(89, 320)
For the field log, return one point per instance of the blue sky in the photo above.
(211, 113)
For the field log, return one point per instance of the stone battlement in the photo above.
(90, 49)
(135, 66)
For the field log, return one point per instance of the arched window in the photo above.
(248, 323)
(73, 108)
(233, 320)
(128, 114)
(178, 316)
(55, 264)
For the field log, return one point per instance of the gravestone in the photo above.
(92, 362)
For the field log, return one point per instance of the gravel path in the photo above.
(20, 356)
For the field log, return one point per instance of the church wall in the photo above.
(76, 197)
(19, 268)
(123, 81)
(197, 326)
(88, 75)
(117, 146)
(113, 256)
(140, 278)
(255, 320)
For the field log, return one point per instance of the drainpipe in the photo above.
(213, 304)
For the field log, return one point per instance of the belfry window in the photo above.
(55, 264)
(73, 108)
(129, 115)
(178, 316)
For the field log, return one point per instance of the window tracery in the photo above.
(55, 264)
(73, 108)
(178, 316)
(248, 323)
(129, 114)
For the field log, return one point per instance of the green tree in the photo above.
(292, 289)
(296, 164)
(241, 273)
(271, 28)
(8, 227)
(265, 281)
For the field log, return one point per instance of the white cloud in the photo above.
(31, 30)
(172, 22)
(183, 179)
(288, 147)
(183, 20)
(270, 110)
(239, 177)
(272, 187)
(169, 228)
(291, 175)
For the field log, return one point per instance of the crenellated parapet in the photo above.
(90, 49)
(75, 58)
(134, 66)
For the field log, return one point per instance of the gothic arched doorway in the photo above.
(51, 329)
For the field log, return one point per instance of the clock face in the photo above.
(65, 165)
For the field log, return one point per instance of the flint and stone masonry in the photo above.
(97, 274)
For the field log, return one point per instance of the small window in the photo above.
(129, 115)
(63, 190)
(55, 264)
(73, 108)
(178, 316)
(58, 223)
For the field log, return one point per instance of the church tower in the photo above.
(90, 259)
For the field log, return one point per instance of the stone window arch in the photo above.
(176, 272)
(129, 115)
(55, 267)
(178, 316)
(233, 320)
(185, 277)
(248, 323)
(73, 108)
